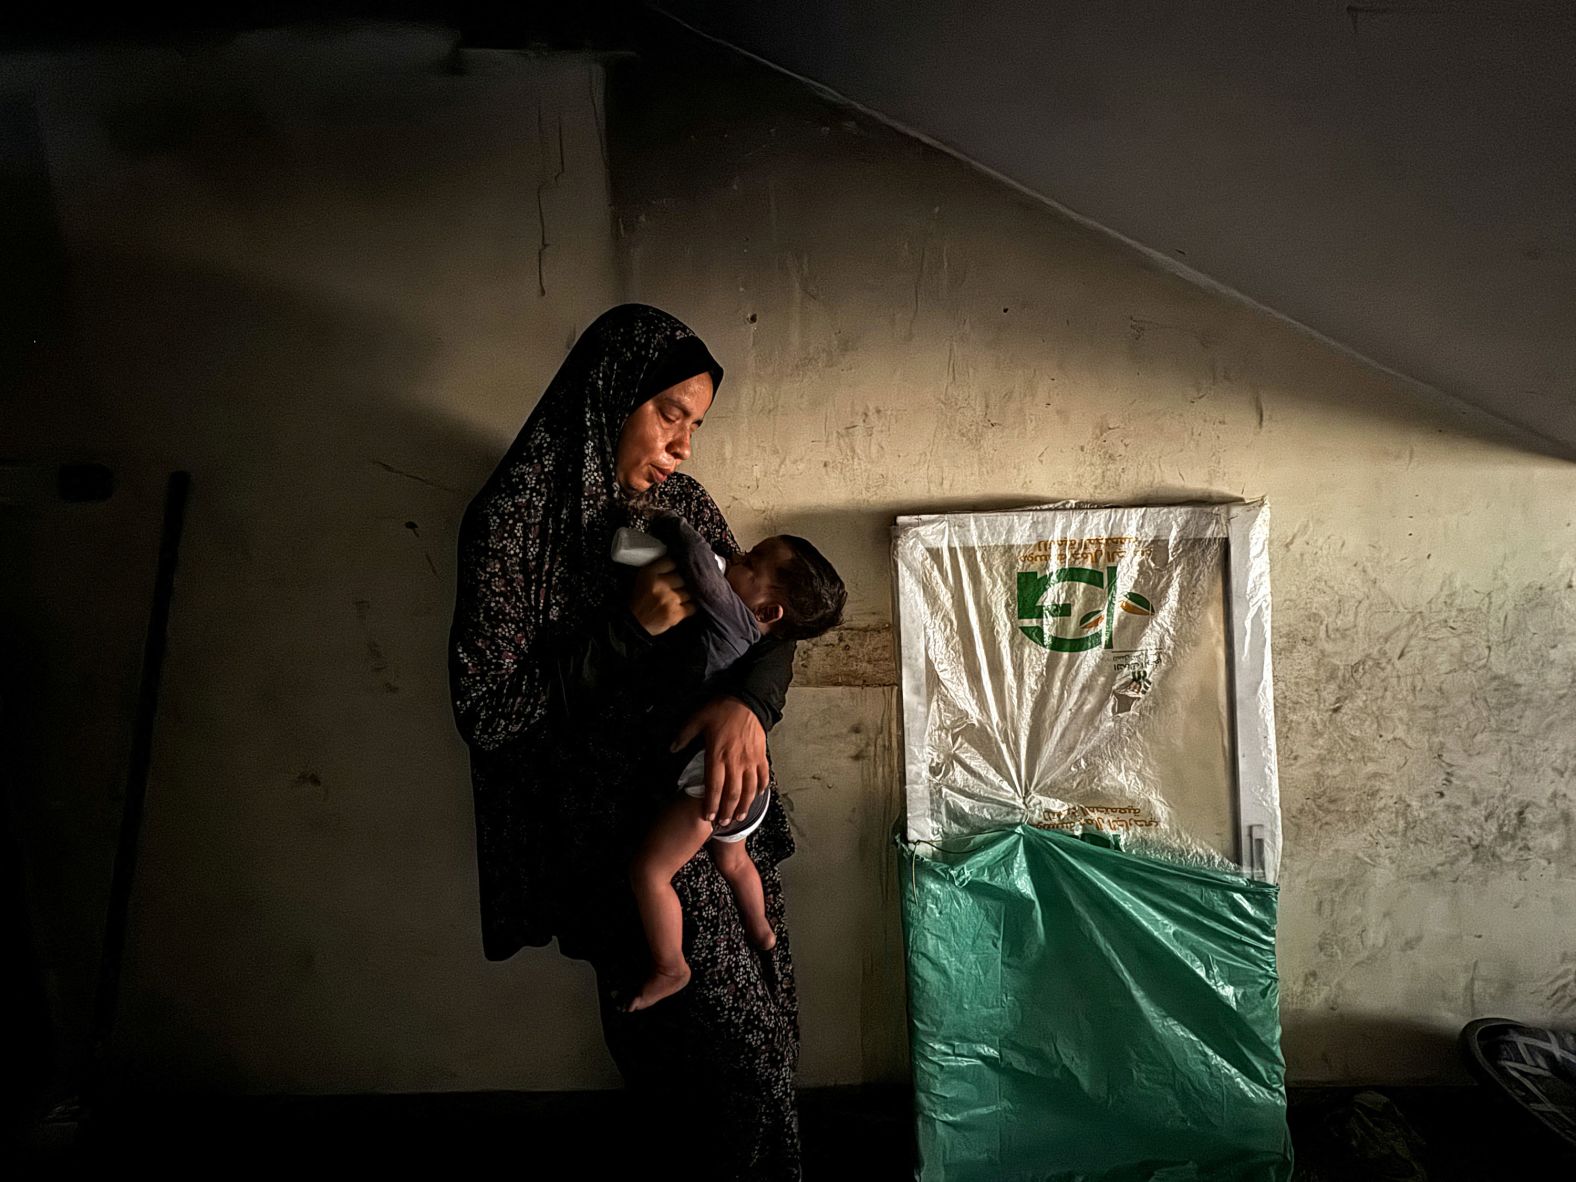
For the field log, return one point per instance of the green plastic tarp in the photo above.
(1079, 1013)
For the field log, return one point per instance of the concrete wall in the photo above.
(905, 334)
(311, 270)
(329, 274)
(1397, 176)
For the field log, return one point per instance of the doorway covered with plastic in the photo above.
(1091, 842)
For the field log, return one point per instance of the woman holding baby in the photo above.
(542, 633)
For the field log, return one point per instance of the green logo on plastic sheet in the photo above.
(1094, 629)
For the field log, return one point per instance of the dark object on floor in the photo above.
(1532, 1067)
(1367, 1136)
(1409, 1134)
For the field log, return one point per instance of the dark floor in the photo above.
(1412, 1134)
(1341, 1135)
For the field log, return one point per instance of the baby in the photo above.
(784, 589)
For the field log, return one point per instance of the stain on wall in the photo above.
(855, 654)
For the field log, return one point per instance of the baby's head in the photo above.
(789, 586)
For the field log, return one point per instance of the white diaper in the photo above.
(692, 780)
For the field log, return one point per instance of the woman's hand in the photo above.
(736, 767)
(658, 599)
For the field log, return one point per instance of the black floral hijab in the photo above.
(534, 542)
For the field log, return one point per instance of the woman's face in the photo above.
(656, 437)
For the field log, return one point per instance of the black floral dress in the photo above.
(552, 683)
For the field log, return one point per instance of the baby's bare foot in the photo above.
(660, 985)
(761, 934)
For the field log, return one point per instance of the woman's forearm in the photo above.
(733, 727)
(761, 679)
(737, 766)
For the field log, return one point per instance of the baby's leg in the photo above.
(739, 869)
(677, 837)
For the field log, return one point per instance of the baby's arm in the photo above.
(760, 679)
(727, 628)
(699, 566)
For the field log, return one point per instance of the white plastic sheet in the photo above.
(1075, 667)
